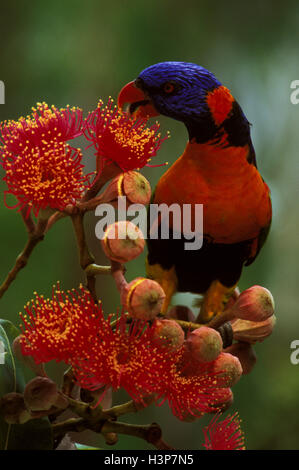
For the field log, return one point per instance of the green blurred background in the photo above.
(76, 52)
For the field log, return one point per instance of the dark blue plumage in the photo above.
(188, 101)
(183, 104)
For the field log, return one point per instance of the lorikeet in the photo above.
(217, 169)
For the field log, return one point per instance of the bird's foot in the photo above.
(215, 301)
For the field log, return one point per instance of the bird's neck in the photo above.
(221, 141)
(222, 123)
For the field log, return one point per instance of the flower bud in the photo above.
(204, 344)
(246, 355)
(132, 184)
(254, 304)
(252, 331)
(41, 394)
(143, 298)
(123, 241)
(229, 368)
(17, 347)
(13, 409)
(169, 334)
(232, 299)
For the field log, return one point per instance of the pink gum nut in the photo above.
(204, 344)
(132, 184)
(252, 331)
(143, 298)
(123, 241)
(169, 334)
(246, 355)
(229, 368)
(255, 304)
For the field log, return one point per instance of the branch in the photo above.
(72, 424)
(33, 239)
(105, 173)
(128, 407)
(27, 219)
(117, 271)
(54, 218)
(187, 325)
(95, 269)
(86, 258)
(151, 433)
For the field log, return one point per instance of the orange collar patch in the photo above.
(220, 103)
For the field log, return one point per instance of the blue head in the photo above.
(191, 94)
(178, 89)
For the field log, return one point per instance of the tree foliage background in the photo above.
(75, 52)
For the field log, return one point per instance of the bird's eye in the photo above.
(168, 87)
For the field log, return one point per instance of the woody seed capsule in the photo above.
(123, 241)
(143, 298)
(204, 344)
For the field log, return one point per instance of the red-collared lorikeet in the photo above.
(217, 169)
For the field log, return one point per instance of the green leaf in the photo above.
(11, 375)
(35, 434)
(84, 447)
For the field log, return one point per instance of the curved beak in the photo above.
(139, 104)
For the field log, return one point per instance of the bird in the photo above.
(217, 169)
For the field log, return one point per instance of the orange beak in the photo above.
(140, 106)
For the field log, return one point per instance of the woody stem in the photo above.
(86, 258)
(35, 235)
(117, 271)
(151, 433)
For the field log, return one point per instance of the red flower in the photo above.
(47, 177)
(43, 125)
(61, 327)
(193, 393)
(224, 435)
(124, 357)
(120, 139)
(41, 169)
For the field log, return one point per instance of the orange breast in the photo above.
(236, 202)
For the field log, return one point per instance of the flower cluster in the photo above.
(70, 327)
(61, 326)
(120, 139)
(42, 170)
(45, 124)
